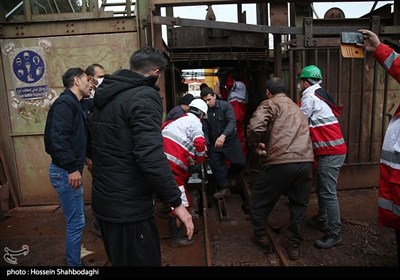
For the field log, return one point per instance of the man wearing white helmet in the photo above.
(184, 143)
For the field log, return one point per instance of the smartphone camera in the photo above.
(352, 38)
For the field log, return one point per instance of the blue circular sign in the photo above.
(28, 67)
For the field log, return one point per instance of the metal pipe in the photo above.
(205, 215)
(72, 7)
(128, 8)
(27, 11)
(96, 8)
(373, 111)
(84, 6)
(55, 4)
(103, 5)
(349, 104)
(39, 5)
(51, 8)
(14, 9)
(361, 106)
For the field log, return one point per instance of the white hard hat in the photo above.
(200, 105)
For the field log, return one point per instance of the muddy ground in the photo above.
(365, 243)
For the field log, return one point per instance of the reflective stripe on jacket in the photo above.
(183, 141)
(325, 131)
(389, 59)
(389, 180)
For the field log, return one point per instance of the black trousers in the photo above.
(293, 179)
(231, 151)
(132, 244)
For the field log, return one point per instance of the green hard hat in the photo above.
(311, 72)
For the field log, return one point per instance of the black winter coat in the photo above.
(220, 119)
(129, 164)
(66, 132)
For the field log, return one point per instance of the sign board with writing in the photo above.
(29, 69)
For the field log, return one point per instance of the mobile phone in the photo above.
(352, 38)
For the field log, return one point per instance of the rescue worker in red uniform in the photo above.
(237, 97)
(184, 144)
(330, 149)
(389, 179)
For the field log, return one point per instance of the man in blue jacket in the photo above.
(129, 165)
(65, 139)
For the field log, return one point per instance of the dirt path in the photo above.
(364, 242)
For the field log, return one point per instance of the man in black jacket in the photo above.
(129, 164)
(65, 139)
(224, 151)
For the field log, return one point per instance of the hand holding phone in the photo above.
(350, 44)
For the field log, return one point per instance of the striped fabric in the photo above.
(184, 142)
(389, 179)
(326, 134)
(389, 59)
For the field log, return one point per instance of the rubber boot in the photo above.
(177, 234)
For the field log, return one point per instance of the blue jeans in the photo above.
(74, 212)
(327, 174)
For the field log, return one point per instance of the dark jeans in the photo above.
(231, 151)
(294, 179)
(132, 244)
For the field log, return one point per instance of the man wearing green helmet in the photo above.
(330, 151)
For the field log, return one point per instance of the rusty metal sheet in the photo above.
(358, 176)
(27, 116)
(32, 168)
(189, 37)
(228, 25)
(65, 28)
(279, 14)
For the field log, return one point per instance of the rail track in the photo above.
(223, 230)
(219, 242)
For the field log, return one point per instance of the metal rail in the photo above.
(277, 255)
(205, 215)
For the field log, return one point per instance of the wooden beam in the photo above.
(325, 30)
(68, 27)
